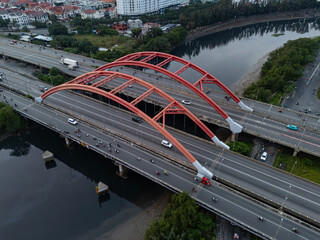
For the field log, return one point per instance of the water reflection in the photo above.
(20, 148)
(231, 54)
(193, 48)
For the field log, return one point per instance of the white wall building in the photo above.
(140, 7)
(21, 19)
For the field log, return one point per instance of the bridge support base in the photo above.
(69, 143)
(233, 137)
(295, 152)
(122, 172)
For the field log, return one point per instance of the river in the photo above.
(231, 54)
(60, 202)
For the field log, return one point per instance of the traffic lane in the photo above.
(230, 201)
(186, 141)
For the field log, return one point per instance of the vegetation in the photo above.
(53, 76)
(243, 148)
(182, 219)
(284, 67)
(57, 29)
(303, 165)
(4, 23)
(39, 24)
(10, 121)
(318, 93)
(200, 14)
(277, 34)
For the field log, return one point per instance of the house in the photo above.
(37, 16)
(132, 24)
(147, 26)
(120, 26)
(89, 13)
(19, 19)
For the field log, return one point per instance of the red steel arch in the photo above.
(174, 107)
(234, 127)
(206, 77)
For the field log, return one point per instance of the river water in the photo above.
(230, 55)
(60, 202)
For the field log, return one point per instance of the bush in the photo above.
(243, 148)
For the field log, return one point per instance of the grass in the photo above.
(305, 166)
(277, 34)
(109, 41)
(318, 93)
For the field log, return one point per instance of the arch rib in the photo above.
(211, 79)
(201, 170)
(93, 75)
(234, 127)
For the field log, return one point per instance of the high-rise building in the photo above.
(140, 7)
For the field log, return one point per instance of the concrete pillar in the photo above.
(233, 137)
(69, 143)
(122, 171)
(295, 152)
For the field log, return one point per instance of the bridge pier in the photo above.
(69, 142)
(295, 152)
(122, 172)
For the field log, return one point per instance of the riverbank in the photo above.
(253, 76)
(240, 22)
(135, 227)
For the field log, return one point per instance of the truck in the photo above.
(72, 64)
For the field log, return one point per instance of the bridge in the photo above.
(241, 185)
(265, 122)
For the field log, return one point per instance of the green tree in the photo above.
(182, 219)
(9, 120)
(136, 32)
(57, 29)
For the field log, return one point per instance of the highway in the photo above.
(266, 121)
(302, 196)
(231, 204)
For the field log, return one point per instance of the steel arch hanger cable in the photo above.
(173, 107)
(130, 60)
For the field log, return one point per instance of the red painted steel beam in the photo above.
(105, 80)
(170, 74)
(141, 97)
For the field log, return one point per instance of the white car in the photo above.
(186, 102)
(264, 156)
(166, 143)
(72, 121)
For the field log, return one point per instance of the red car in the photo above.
(205, 181)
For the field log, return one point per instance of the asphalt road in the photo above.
(269, 183)
(230, 204)
(266, 122)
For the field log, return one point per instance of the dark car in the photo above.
(137, 119)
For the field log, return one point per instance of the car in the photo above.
(166, 143)
(292, 127)
(205, 181)
(264, 156)
(72, 121)
(130, 86)
(236, 236)
(137, 119)
(186, 102)
(1, 89)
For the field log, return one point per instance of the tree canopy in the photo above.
(10, 121)
(57, 29)
(283, 68)
(182, 219)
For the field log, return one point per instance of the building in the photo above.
(147, 26)
(18, 19)
(141, 7)
(120, 26)
(37, 16)
(132, 24)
